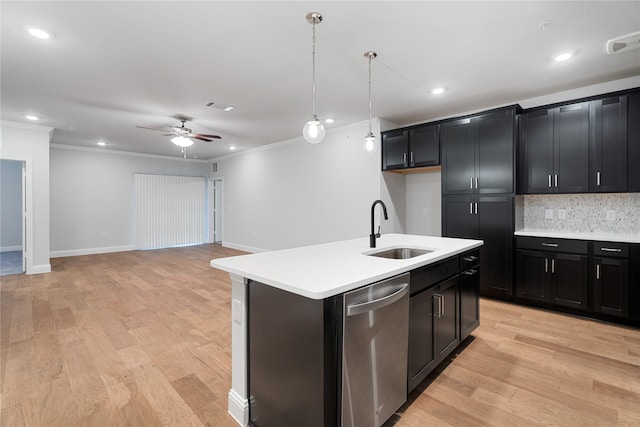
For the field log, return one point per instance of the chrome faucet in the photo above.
(373, 235)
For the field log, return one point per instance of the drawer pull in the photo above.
(469, 272)
(551, 245)
(470, 258)
(611, 249)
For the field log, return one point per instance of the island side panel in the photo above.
(292, 358)
(238, 399)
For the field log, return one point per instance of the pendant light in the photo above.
(370, 145)
(313, 131)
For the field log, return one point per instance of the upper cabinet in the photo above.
(478, 153)
(608, 145)
(554, 150)
(633, 140)
(417, 146)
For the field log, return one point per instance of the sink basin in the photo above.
(400, 253)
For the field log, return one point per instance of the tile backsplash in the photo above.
(606, 213)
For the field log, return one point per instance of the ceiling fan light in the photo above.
(313, 131)
(182, 141)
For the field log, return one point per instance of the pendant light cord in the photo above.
(313, 80)
(370, 93)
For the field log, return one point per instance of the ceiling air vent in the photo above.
(220, 106)
(624, 43)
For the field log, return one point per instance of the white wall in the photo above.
(92, 196)
(30, 143)
(424, 204)
(10, 205)
(294, 194)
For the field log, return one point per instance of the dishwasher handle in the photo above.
(386, 300)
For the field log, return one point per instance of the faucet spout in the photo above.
(374, 235)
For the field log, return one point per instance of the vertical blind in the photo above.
(170, 211)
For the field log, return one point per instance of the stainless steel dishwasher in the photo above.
(374, 361)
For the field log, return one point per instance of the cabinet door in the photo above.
(633, 143)
(459, 217)
(569, 280)
(495, 228)
(394, 149)
(458, 157)
(469, 302)
(608, 154)
(495, 152)
(536, 152)
(447, 328)
(532, 268)
(424, 146)
(611, 286)
(571, 148)
(422, 355)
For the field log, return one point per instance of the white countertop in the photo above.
(329, 269)
(600, 237)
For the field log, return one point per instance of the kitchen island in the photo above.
(308, 284)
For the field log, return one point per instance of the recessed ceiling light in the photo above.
(38, 33)
(31, 117)
(102, 143)
(232, 147)
(437, 90)
(561, 57)
(229, 108)
(329, 120)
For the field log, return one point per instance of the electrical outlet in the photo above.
(548, 214)
(103, 234)
(562, 214)
(424, 211)
(611, 215)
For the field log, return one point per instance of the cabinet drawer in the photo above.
(469, 260)
(553, 245)
(611, 249)
(432, 274)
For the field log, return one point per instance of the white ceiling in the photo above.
(113, 65)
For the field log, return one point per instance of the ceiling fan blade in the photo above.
(161, 130)
(169, 134)
(204, 135)
(200, 138)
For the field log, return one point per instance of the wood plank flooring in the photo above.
(143, 339)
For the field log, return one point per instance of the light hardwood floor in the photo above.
(143, 339)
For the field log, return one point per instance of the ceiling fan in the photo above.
(182, 135)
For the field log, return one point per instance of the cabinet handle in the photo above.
(611, 249)
(470, 258)
(598, 178)
(553, 266)
(476, 204)
(546, 265)
(476, 182)
(471, 183)
(404, 158)
(597, 271)
(556, 178)
(549, 181)
(439, 310)
(442, 305)
(412, 157)
(469, 272)
(470, 208)
(551, 245)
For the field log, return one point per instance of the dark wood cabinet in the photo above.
(469, 291)
(554, 150)
(417, 146)
(532, 268)
(478, 153)
(446, 317)
(491, 219)
(633, 143)
(610, 273)
(608, 152)
(394, 149)
(422, 353)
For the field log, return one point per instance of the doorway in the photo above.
(12, 217)
(215, 210)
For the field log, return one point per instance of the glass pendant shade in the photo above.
(313, 131)
(182, 141)
(370, 145)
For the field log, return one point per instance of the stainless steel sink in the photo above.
(400, 253)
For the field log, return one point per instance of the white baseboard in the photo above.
(10, 248)
(242, 247)
(39, 269)
(92, 251)
(238, 408)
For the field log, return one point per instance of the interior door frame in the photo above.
(27, 203)
(215, 211)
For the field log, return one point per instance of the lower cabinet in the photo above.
(443, 310)
(550, 275)
(610, 273)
